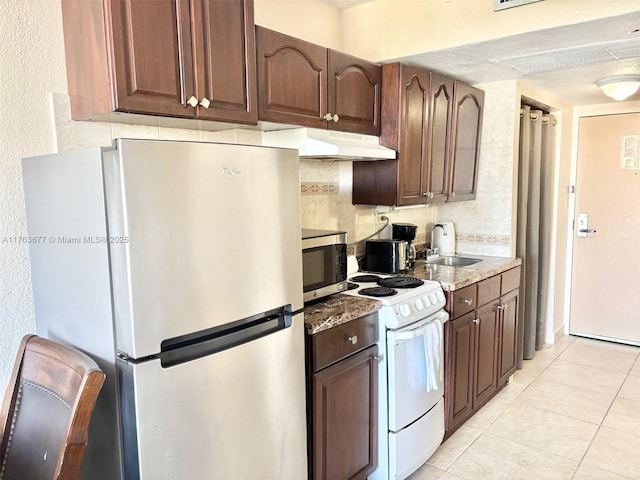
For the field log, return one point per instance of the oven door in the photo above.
(416, 369)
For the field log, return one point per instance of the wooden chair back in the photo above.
(46, 411)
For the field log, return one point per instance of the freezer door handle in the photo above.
(186, 348)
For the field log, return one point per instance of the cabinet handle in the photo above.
(205, 102)
(193, 101)
(328, 117)
(500, 307)
(336, 118)
(452, 194)
(378, 358)
(468, 301)
(476, 321)
(352, 340)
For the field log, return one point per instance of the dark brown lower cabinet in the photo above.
(342, 400)
(480, 344)
(459, 380)
(508, 336)
(485, 335)
(344, 416)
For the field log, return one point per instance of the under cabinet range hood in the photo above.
(328, 145)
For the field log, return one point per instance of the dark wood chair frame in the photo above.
(71, 375)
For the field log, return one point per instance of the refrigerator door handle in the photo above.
(186, 348)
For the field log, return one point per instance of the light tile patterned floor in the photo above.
(572, 413)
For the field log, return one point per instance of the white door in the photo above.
(606, 263)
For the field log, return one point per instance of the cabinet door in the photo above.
(292, 80)
(459, 369)
(441, 110)
(353, 94)
(412, 151)
(508, 336)
(344, 417)
(152, 56)
(485, 353)
(224, 43)
(465, 148)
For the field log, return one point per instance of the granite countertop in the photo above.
(336, 310)
(454, 278)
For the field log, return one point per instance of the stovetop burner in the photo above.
(400, 282)
(365, 278)
(378, 291)
(352, 286)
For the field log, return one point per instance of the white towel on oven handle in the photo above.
(432, 354)
(432, 381)
(437, 343)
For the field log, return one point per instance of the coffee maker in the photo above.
(407, 233)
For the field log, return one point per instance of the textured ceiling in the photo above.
(565, 61)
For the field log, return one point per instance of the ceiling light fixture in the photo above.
(619, 87)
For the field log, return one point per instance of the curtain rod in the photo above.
(534, 116)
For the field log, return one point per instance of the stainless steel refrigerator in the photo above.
(177, 266)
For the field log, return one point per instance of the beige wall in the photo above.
(31, 66)
(409, 27)
(310, 20)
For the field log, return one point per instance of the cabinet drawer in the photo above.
(488, 289)
(339, 342)
(462, 301)
(510, 280)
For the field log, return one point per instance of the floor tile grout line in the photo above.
(591, 366)
(601, 424)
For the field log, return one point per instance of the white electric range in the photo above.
(411, 369)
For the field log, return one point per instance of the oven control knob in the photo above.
(418, 304)
(433, 298)
(426, 301)
(405, 310)
(440, 295)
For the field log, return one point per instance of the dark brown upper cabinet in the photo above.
(468, 106)
(178, 58)
(434, 123)
(301, 83)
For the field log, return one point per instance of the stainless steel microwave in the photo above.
(324, 263)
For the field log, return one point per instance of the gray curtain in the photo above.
(534, 227)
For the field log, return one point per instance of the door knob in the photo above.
(205, 102)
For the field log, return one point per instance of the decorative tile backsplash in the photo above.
(318, 188)
(504, 240)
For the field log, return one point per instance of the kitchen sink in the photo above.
(454, 261)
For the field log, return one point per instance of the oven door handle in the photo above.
(410, 334)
